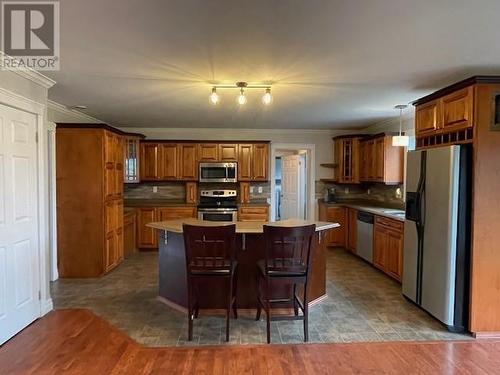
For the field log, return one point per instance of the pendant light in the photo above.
(267, 98)
(401, 140)
(242, 99)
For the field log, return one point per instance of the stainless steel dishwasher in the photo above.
(365, 236)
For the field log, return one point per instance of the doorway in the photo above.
(292, 181)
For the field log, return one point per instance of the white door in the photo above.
(290, 189)
(19, 263)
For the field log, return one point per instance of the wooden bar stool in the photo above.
(210, 253)
(288, 256)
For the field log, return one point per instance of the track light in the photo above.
(241, 99)
(214, 97)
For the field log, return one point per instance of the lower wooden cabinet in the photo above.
(253, 213)
(388, 242)
(129, 233)
(113, 239)
(336, 236)
(352, 229)
(147, 238)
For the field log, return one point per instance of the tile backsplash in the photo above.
(172, 190)
(380, 194)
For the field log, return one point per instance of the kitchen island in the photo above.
(249, 249)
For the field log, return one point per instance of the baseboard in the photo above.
(46, 307)
(486, 335)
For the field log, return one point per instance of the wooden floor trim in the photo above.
(79, 342)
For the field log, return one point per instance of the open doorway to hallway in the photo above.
(292, 182)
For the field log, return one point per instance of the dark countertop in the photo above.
(371, 207)
(156, 203)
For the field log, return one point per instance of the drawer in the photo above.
(253, 210)
(252, 217)
(389, 223)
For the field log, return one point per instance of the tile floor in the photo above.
(362, 305)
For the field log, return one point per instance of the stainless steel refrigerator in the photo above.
(437, 232)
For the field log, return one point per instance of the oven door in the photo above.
(218, 214)
(218, 172)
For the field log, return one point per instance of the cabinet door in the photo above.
(131, 165)
(352, 229)
(109, 251)
(208, 152)
(379, 248)
(369, 160)
(394, 254)
(109, 180)
(379, 159)
(191, 192)
(457, 109)
(109, 147)
(427, 118)
(188, 166)
(337, 236)
(146, 236)
(168, 161)
(260, 162)
(362, 161)
(244, 162)
(337, 159)
(228, 152)
(149, 161)
(119, 170)
(173, 213)
(244, 192)
(257, 214)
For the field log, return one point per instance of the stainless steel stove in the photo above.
(218, 205)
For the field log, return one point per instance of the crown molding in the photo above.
(28, 73)
(71, 112)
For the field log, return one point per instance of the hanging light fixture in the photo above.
(214, 97)
(267, 98)
(401, 140)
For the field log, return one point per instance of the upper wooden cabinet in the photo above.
(150, 161)
(446, 114)
(347, 156)
(381, 161)
(208, 152)
(228, 152)
(188, 163)
(427, 117)
(169, 161)
(131, 173)
(260, 162)
(253, 162)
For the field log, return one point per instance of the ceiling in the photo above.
(334, 64)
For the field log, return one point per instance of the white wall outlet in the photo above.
(346, 190)
(251, 189)
(155, 189)
(260, 190)
(368, 191)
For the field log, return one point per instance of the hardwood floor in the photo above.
(79, 342)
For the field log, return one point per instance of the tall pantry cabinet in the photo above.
(89, 174)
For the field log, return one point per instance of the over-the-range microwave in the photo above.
(218, 172)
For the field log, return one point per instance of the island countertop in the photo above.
(242, 227)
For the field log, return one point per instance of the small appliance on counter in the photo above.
(330, 196)
(218, 205)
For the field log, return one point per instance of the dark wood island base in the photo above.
(250, 249)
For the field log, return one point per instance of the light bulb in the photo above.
(242, 99)
(214, 97)
(267, 98)
(400, 141)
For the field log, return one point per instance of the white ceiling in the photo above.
(334, 64)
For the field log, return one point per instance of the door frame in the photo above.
(19, 102)
(311, 175)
